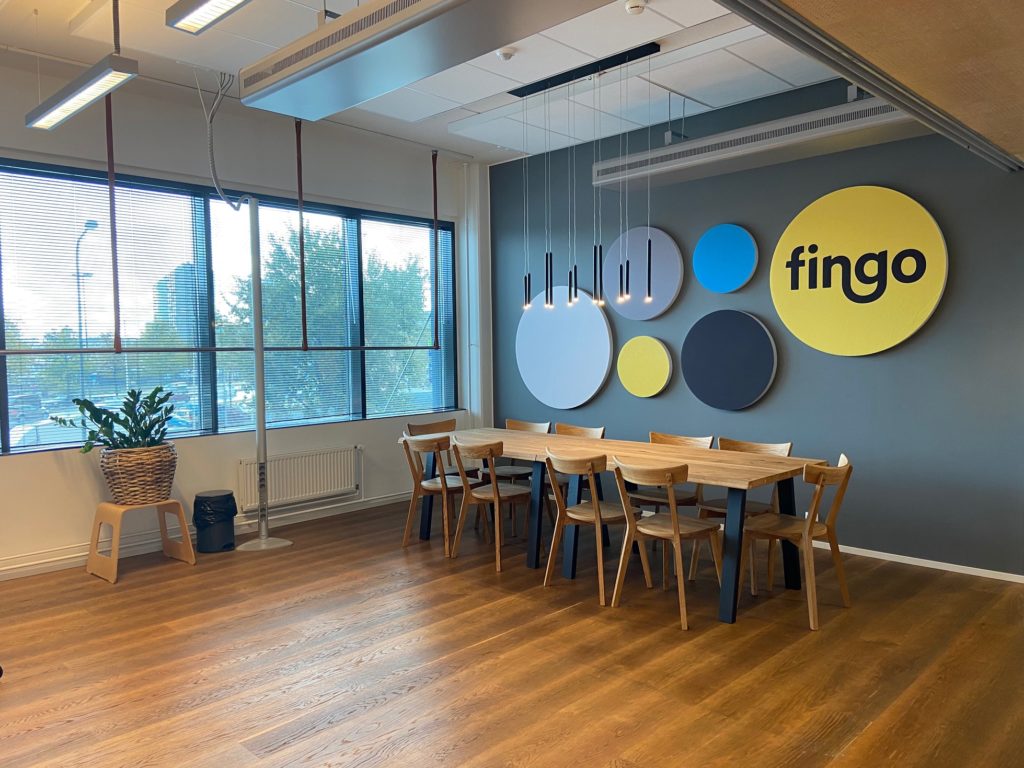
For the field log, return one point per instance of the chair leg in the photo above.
(772, 548)
(747, 538)
(620, 576)
(446, 499)
(497, 538)
(641, 545)
(752, 556)
(481, 514)
(716, 553)
(664, 565)
(410, 517)
(837, 560)
(809, 580)
(600, 565)
(677, 550)
(556, 541)
(694, 559)
(463, 514)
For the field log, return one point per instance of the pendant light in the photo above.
(648, 297)
(109, 73)
(570, 174)
(527, 288)
(549, 256)
(195, 16)
(598, 199)
(623, 291)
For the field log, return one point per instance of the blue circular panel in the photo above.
(725, 258)
(729, 359)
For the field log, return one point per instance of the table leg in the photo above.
(790, 553)
(427, 505)
(571, 534)
(536, 515)
(732, 551)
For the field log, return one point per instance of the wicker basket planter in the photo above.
(139, 475)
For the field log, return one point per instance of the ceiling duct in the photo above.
(383, 45)
(857, 124)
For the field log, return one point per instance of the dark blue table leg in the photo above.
(732, 551)
(571, 534)
(427, 505)
(790, 553)
(536, 515)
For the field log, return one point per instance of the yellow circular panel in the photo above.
(644, 366)
(858, 271)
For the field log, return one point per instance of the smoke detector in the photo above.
(634, 7)
(505, 53)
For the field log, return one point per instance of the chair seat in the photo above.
(684, 496)
(454, 483)
(506, 491)
(584, 513)
(718, 507)
(782, 526)
(660, 526)
(512, 471)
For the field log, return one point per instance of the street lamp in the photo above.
(88, 227)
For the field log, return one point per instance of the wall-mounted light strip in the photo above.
(92, 85)
(195, 16)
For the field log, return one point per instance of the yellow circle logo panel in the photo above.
(858, 271)
(644, 366)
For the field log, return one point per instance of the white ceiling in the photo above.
(710, 58)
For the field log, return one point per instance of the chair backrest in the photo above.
(478, 451)
(665, 477)
(448, 425)
(417, 447)
(591, 466)
(663, 438)
(821, 476)
(542, 427)
(772, 449)
(575, 431)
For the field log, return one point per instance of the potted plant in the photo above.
(135, 457)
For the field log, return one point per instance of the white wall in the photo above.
(47, 499)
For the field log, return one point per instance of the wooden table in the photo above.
(738, 472)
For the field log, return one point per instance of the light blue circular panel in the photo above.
(725, 258)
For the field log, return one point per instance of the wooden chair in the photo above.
(671, 528)
(433, 428)
(658, 498)
(592, 512)
(575, 431)
(802, 532)
(512, 471)
(717, 507)
(443, 485)
(492, 494)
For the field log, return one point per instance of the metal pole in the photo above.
(264, 539)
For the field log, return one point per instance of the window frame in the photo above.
(202, 197)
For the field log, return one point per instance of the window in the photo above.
(185, 277)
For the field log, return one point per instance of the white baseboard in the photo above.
(922, 563)
(75, 555)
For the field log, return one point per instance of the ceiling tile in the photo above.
(718, 79)
(705, 46)
(411, 106)
(573, 119)
(782, 61)
(611, 30)
(508, 133)
(536, 57)
(687, 12)
(465, 83)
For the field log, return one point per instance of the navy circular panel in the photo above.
(729, 359)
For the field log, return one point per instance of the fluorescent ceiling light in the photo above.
(196, 15)
(99, 80)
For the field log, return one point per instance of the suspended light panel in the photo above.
(96, 82)
(194, 16)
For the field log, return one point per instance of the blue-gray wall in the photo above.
(933, 426)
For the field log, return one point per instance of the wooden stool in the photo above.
(105, 566)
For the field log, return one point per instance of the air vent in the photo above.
(860, 123)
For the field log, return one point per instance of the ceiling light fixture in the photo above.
(195, 16)
(633, 7)
(93, 84)
(506, 53)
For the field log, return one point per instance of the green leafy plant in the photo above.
(141, 422)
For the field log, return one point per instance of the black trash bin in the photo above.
(213, 515)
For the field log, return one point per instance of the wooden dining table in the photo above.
(735, 471)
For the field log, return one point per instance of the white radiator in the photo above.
(297, 477)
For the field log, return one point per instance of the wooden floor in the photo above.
(345, 650)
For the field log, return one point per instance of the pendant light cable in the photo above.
(648, 297)
(527, 297)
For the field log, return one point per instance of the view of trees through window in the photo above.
(185, 281)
